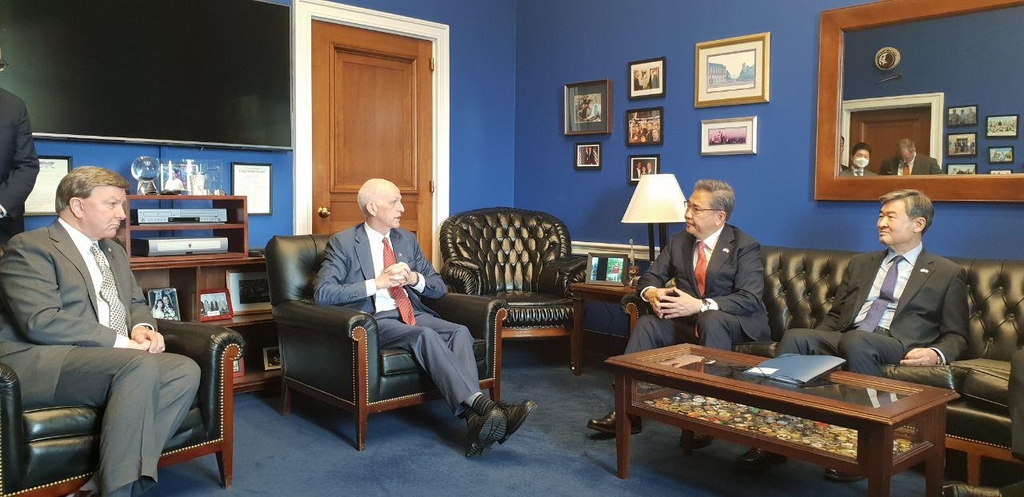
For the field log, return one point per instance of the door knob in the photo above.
(323, 212)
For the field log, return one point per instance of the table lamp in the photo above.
(658, 199)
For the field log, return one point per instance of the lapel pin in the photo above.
(726, 250)
(924, 270)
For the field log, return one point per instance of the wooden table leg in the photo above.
(876, 459)
(622, 388)
(935, 464)
(576, 335)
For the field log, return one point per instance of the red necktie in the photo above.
(701, 271)
(397, 292)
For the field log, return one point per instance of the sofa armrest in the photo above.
(634, 307)
(763, 349)
(462, 276)
(12, 435)
(556, 276)
(946, 376)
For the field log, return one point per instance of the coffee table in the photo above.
(850, 422)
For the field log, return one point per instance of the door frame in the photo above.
(935, 101)
(304, 12)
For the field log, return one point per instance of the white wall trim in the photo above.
(936, 101)
(303, 14)
(584, 248)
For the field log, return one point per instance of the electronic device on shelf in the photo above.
(167, 216)
(161, 246)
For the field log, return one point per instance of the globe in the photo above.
(146, 170)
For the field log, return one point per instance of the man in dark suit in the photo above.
(860, 157)
(902, 305)
(80, 332)
(719, 282)
(19, 164)
(378, 268)
(907, 161)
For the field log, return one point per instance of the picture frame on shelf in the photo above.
(1004, 126)
(961, 169)
(1001, 171)
(965, 115)
(640, 165)
(254, 182)
(733, 71)
(249, 291)
(52, 169)
(962, 145)
(163, 304)
(214, 305)
(731, 136)
(238, 367)
(1000, 155)
(174, 177)
(588, 108)
(646, 78)
(271, 358)
(587, 156)
(645, 126)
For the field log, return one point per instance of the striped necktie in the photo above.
(108, 291)
(398, 292)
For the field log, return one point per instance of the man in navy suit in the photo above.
(378, 268)
(19, 164)
(719, 282)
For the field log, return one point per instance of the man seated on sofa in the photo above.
(902, 305)
(82, 334)
(361, 271)
(719, 282)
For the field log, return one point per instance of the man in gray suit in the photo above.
(378, 268)
(82, 334)
(907, 162)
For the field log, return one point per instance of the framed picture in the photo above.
(174, 177)
(962, 144)
(961, 169)
(163, 304)
(640, 165)
(40, 200)
(252, 181)
(607, 269)
(966, 115)
(1001, 171)
(587, 156)
(646, 78)
(737, 135)
(733, 71)
(238, 367)
(588, 108)
(1001, 126)
(646, 126)
(249, 291)
(1000, 155)
(214, 305)
(271, 358)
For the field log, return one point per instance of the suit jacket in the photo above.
(19, 164)
(348, 263)
(922, 165)
(847, 171)
(734, 280)
(52, 305)
(931, 312)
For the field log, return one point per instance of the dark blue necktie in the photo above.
(885, 297)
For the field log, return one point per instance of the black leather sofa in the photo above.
(799, 288)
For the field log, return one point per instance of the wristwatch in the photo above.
(705, 305)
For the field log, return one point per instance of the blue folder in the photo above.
(797, 369)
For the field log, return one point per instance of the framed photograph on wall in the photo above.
(961, 169)
(640, 165)
(645, 126)
(587, 156)
(966, 115)
(588, 108)
(1001, 126)
(737, 135)
(733, 71)
(253, 181)
(271, 358)
(249, 291)
(214, 305)
(962, 144)
(1000, 155)
(163, 304)
(52, 169)
(646, 78)
(1001, 171)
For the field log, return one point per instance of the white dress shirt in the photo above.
(84, 245)
(382, 299)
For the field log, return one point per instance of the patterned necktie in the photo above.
(397, 292)
(885, 297)
(108, 290)
(906, 169)
(701, 271)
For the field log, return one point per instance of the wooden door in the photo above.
(372, 118)
(883, 128)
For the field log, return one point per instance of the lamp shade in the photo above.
(657, 199)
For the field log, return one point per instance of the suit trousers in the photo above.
(444, 350)
(146, 397)
(865, 352)
(718, 330)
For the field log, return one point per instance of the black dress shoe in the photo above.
(838, 476)
(957, 489)
(755, 460)
(607, 424)
(484, 430)
(515, 415)
(700, 440)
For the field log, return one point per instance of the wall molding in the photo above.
(584, 248)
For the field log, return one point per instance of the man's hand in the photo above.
(397, 274)
(670, 303)
(145, 338)
(921, 357)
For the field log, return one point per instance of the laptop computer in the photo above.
(797, 369)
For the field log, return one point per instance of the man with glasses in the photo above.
(717, 296)
(19, 164)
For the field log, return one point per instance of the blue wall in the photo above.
(565, 42)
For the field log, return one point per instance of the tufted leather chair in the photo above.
(799, 288)
(331, 353)
(521, 256)
(55, 450)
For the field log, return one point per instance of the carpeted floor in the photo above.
(419, 450)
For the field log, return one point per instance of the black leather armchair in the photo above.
(331, 353)
(54, 450)
(522, 256)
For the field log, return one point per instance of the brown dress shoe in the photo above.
(756, 460)
(607, 424)
(700, 440)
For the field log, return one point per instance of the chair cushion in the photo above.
(528, 309)
(397, 361)
(968, 423)
(987, 385)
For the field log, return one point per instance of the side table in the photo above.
(581, 292)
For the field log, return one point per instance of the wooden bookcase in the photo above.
(236, 229)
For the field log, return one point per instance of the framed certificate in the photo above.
(253, 182)
(52, 169)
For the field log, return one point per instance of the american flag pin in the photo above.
(726, 250)
(924, 270)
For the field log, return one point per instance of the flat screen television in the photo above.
(197, 72)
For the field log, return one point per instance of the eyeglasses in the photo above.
(697, 210)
